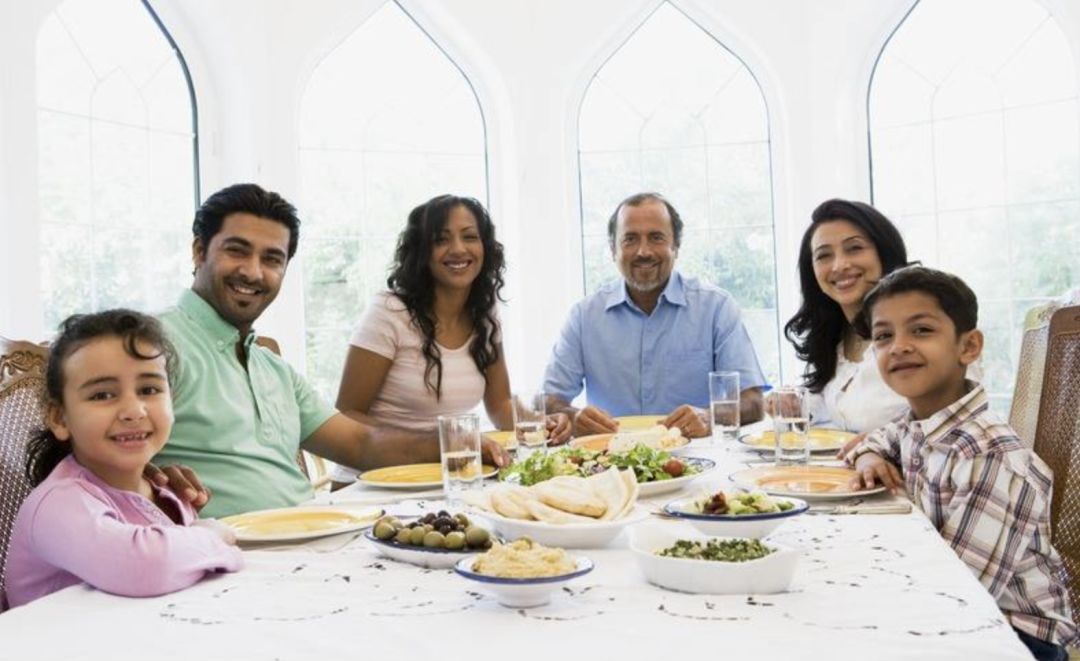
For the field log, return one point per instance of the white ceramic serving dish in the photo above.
(650, 489)
(521, 592)
(568, 535)
(767, 575)
(749, 526)
(416, 555)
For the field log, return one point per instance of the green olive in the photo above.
(384, 530)
(475, 536)
(416, 536)
(455, 540)
(434, 540)
(403, 536)
(463, 520)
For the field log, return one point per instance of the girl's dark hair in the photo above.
(411, 281)
(818, 326)
(45, 451)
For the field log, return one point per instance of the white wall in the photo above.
(530, 63)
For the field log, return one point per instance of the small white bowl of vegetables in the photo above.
(726, 514)
(677, 559)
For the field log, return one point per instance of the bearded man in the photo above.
(645, 344)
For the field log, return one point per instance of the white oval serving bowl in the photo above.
(749, 526)
(767, 575)
(567, 535)
(521, 592)
(416, 555)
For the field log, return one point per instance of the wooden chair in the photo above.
(22, 380)
(1057, 437)
(313, 467)
(1024, 413)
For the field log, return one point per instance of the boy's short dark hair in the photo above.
(953, 295)
(245, 198)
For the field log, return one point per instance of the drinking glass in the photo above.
(791, 423)
(530, 423)
(724, 406)
(459, 449)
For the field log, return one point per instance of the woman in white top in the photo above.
(848, 247)
(431, 344)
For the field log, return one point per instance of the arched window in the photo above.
(674, 111)
(975, 148)
(116, 159)
(387, 122)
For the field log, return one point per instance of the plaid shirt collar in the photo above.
(937, 428)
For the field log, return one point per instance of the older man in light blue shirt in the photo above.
(645, 344)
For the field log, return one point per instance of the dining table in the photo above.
(868, 585)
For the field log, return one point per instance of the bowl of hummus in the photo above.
(522, 573)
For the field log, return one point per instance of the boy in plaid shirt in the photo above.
(986, 493)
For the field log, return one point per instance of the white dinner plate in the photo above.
(411, 476)
(806, 482)
(292, 524)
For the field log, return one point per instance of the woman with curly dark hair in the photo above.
(848, 247)
(431, 344)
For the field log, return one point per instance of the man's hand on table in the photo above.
(591, 420)
(691, 421)
(182, 481)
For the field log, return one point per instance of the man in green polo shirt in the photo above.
(241, 411)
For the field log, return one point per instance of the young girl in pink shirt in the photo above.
(92, 516)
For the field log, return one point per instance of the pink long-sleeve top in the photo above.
(74, 528)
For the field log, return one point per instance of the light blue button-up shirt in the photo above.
(632, 363)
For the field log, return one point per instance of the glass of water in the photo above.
(459, 448)
(724, 406)
(530, 423)
(791, 423)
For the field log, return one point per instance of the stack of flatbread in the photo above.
(606, 496)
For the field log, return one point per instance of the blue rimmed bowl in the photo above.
(749, 526)
(521, 592)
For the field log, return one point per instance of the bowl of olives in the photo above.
(436, 540)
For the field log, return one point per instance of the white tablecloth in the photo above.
(868, 586)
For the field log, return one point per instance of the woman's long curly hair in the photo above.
(45, 450)
(411, 281)
(819, 325)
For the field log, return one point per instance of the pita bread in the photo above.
(575, 497)
(510, 501)
(547, 514)
(630, 480)
(609, 487)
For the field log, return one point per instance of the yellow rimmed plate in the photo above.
(821, 440)
(507, 439)
(290, 524)
(806, 482)
(600, 443)
(638, 422)
(411, 476)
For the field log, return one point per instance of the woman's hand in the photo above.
(842, 453)
(493, 453)
(558, 428)
(182, 481)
